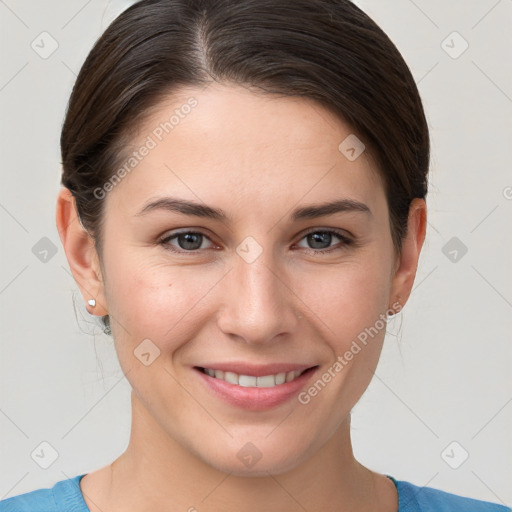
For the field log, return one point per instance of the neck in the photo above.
(156, 473)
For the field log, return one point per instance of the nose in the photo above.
(259, 305)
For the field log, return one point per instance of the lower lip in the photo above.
(255, 398)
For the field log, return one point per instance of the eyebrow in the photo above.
(201, 210)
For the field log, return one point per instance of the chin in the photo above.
(251, 461)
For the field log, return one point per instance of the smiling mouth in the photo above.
(251, 381)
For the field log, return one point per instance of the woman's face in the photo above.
(244, 291)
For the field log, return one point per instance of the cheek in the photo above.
(156, 301)
(348, 297)
(352, 302)
(159, 304)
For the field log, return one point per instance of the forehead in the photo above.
(214, 140)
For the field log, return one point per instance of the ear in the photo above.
(407, 262)
(81, 253)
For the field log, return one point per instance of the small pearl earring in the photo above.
(91, 302)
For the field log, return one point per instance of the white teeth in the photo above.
(281, 378)
(267, 381)
(290, 376)
(249, 381)
(231, 377)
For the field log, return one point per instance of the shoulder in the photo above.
(64, 496)
(413, 498)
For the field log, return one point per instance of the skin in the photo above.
(258, 158)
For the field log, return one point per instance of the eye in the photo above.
(321, 240)
(192, 241)
(187, 241)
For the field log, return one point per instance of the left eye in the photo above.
(191, 241)
(319, 238)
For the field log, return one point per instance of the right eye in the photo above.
(188, 241)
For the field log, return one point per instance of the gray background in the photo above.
(442, 390)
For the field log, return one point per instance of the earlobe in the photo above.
(412, 244)
(81, 253)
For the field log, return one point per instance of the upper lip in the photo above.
(256, 370)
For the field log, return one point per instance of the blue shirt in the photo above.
(66, 496)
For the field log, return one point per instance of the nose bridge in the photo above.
(258, 305)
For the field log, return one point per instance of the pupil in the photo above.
(320, 238)
(189, 242)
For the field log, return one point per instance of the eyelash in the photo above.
(346, 241)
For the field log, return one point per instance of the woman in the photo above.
(243, 198)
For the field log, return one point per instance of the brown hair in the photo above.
(326, 50)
